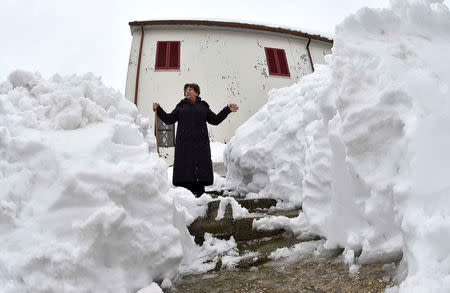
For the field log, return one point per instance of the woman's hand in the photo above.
(155, 106)
(233, 107)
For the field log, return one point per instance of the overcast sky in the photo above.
(58, 36)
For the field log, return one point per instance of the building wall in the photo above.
(229, 65)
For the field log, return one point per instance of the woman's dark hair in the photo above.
(193, 86)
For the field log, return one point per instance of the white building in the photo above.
(232, 63)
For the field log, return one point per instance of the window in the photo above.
(167, 55)
(166, 134)
(277, 62)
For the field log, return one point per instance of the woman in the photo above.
(192, 167)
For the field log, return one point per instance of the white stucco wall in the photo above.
(229, 65)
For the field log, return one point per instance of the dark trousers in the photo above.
(196, 188)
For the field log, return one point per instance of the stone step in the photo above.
(240, 228)
(216, 193)
(243, 227)
(256, 252)
(252, 205)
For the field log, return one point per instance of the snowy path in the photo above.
(276, 259)
(305, 271)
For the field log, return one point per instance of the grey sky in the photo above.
(66, 37)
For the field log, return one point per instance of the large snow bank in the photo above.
(83, 203)
(363, 142)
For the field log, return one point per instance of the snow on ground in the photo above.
(363, 142)
(213, 250)
(85, 204)
(217, 149)
(153, 288)
(218, 185)
(297, 252)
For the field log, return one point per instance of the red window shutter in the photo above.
(167, 55)
(277, 62)
(161, 52)
(174, 57)
(271, 62)
(284, 69)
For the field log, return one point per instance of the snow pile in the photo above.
(363, 142)
(266, 154)
(83, 203)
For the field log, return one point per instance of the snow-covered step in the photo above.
(252, 205)
(256, 252)
(241, 227)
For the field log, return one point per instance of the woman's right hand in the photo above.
(155, 106)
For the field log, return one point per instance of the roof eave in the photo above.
(233, 25)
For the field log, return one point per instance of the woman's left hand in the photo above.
(233, 107)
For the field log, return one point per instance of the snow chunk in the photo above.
(210, 253)
(237, 210)
(21, 78)
(295, 253)
(298, 225)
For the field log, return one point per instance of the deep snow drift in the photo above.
(85, 200)
(364, 142)
(85, 204)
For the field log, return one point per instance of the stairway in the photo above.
(249, 241)
(256, 244)
(311, 268)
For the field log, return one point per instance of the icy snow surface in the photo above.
(85, 204)
(363, 143)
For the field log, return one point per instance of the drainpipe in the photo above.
(138, 67)
(309, 54)
(156, 132)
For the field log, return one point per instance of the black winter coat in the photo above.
(192, 152)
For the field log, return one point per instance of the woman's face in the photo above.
(190, 93)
